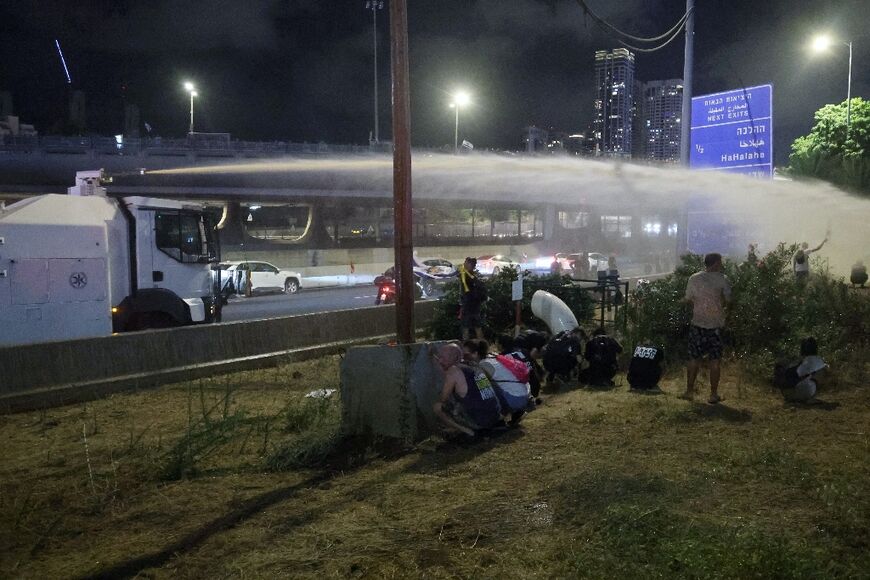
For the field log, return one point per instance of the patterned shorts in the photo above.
(705, 341)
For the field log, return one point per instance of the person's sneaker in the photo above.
(714, 399)
(687, 396)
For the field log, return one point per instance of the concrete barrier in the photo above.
(388, 391)
(57, 372)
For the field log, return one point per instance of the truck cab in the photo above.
(85, 264)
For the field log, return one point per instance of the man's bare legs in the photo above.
(691, 374)
(692, 368)
(715, 371)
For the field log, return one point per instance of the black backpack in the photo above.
(601, 351)
(785, 375)
(560, 355)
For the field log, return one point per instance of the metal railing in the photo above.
(159, 145)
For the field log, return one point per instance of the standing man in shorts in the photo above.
(708, 292)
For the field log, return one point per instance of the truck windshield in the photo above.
(185, 236)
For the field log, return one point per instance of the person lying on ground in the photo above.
(468, 402)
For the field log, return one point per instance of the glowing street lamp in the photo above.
(822, 43)
(188, 86)
(460, 99)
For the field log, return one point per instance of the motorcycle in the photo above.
(386, 290)
(386, 293)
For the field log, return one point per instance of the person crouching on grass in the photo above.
(708, 292)
(468, 402)
(513, 394)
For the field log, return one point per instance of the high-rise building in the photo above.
(77, 111)
(614, 100)
(5, 104)
(660, 107)
(131, 120)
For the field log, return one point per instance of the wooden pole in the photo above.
(403, 223)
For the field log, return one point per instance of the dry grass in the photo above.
(595, 483)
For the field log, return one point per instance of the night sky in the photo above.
(301, 70)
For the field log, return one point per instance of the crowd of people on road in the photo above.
(487, 389)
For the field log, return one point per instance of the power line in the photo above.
(611, 29)
(603, 22)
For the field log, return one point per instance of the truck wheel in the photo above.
(496, 271)
(149, 320)
(291, 286)
(429, 288)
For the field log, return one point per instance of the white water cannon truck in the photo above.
(87, 264)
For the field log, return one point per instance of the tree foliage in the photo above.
(499, 310)
(827, 154)
(769, 314)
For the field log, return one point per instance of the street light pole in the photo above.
(822, 43)
(849, 92)
(374, 6)
(460, 99)
(192, 94)
(188, 86)
(456, 131)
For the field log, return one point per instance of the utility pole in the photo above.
(403, 221)
(374, 6)
(686, 116)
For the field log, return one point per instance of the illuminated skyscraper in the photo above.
(614, 101)
(660, 107)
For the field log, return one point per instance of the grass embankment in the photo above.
(208, 479)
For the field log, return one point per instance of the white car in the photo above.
(264, 277)
(596, 261)
(492, 265)
(435, 267)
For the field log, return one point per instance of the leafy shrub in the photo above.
(499, 311)
(769, 314)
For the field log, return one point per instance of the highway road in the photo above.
(316, 300)
(303, 302)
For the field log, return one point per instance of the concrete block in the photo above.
(388, 391)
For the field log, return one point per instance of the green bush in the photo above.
(769, 314)
(499, 311)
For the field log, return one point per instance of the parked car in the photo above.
(436, 267)
(265, 277)
(492, 265)
(597, 261)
